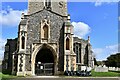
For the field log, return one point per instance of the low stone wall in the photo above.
(113, 68)
(106, 69)
(101, 69)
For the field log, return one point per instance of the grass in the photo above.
(105, 74)
(4, 76)
(94, 74)
(99, 74)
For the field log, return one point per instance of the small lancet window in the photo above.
(67, 44)
(45, 29)
(23, 43)
(48, 3)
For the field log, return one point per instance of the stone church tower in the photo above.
(45, 39)
(45, 43)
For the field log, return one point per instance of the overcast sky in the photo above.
(99, 20)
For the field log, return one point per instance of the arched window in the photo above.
(86, 55)
(45, 29)
(67, 44)
(23, 43)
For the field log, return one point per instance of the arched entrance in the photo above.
(45, 61)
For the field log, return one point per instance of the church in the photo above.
(45, 44)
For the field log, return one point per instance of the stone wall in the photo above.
(84, 52)
(34, 30)
(113, 68)
(10, 48)
(34, 26)
(35, 6)
(101, 69)
(59, 6)
(106, 69)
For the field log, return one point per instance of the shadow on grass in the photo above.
(115, 71)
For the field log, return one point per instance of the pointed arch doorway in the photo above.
(45, 61)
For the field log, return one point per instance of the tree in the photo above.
(113, 60)
(95, 62)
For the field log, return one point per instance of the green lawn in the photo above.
(94, 74)
(7, 76)
(105, 74)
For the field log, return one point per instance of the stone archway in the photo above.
(44, 62)
(44, 54)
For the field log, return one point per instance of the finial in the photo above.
(22, 16)
(88, 39)
(68, 16)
